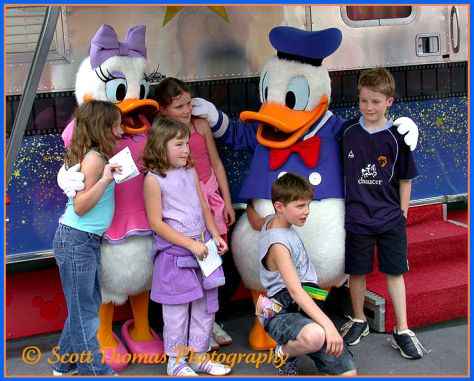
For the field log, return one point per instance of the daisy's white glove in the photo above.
(71, 180)
(206, 110)
(407, 126)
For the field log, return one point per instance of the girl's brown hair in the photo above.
(93, 129)
(154, 156)
(168, 89)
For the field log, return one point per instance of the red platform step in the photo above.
(435, 241)
(35, 304)
(437, 282)
(435, 294)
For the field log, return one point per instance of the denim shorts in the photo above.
(286, 325)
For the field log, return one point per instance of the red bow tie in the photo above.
(308, 150)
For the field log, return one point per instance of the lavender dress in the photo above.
(177, 278)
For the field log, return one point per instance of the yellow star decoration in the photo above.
(172, 11)
(16, 173)
(439, 122)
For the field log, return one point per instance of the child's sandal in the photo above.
(221, 336)
(213, 345)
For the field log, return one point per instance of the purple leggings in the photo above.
(187, 325)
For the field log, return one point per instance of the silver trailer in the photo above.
(203, 43)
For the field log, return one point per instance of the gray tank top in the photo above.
(272, 280)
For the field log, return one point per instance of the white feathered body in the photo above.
(323, 236)
(126, 267)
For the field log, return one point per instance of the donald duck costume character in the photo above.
(292, 132)
(116, 72)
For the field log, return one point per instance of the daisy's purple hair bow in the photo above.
(105, 44)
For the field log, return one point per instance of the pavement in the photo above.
(447, 343)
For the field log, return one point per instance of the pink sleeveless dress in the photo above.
(207, 178)
(130, 214)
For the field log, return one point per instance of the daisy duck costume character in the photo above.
(292, 132)
(116, 72)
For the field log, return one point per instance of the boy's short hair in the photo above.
(291, 187)
(378, 79)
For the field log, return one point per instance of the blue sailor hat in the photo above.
(305, 46)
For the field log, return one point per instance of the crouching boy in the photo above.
(300, 327)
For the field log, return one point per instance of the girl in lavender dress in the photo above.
(182, 223)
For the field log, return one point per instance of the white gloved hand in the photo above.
(71, 180)
(407, 126)
(206, 110)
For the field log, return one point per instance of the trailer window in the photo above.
(361, 16)
(23, 27)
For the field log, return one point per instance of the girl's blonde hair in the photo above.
(93, 129)
(154, 156)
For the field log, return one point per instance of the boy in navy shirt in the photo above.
(378, 169)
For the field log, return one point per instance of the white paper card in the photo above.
(212, 261)
(129, 168)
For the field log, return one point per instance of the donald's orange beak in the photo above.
(280, 126)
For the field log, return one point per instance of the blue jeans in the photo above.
(288, 323)
(77, 255)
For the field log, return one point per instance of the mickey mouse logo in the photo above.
(382, 161)
(51, 309)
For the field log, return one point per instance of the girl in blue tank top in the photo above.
(76, 244)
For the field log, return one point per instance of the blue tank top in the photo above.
(98, 219)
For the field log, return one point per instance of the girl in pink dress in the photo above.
(174, 99)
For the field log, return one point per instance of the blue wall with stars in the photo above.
(441, 154)
(36, 202)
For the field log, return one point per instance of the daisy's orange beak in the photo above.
(131, 109)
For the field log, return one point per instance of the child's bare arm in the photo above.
(219, 170)
(255, 220)
(405, 192)
(92, 166)
(152, 195)
(209, 220)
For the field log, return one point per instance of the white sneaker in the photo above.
(180, 369)
(210, 367)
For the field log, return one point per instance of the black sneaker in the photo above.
(353, 330)
(408, 344)
(288, 368)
